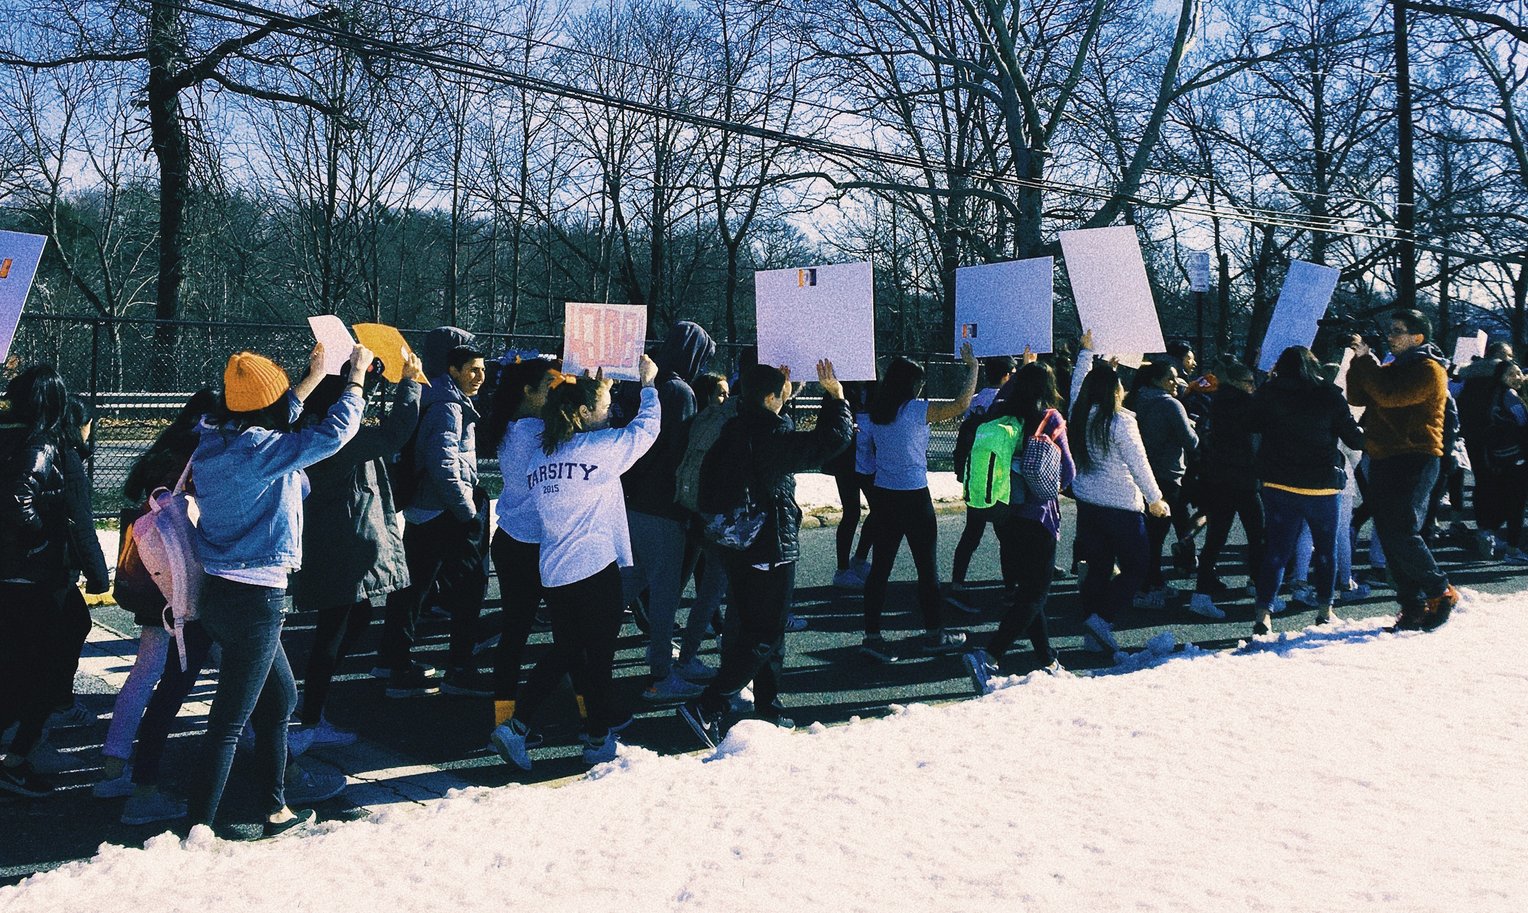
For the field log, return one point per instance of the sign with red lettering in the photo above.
(608, 336)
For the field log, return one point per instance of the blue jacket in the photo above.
(445, 452)
(249, 486)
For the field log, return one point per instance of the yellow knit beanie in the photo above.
(251, 382)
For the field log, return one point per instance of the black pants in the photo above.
(68, 628)
(1400, 489)
(1157, 529)
(586, 620)
(760, 599)
(1510, 487)
(338, 628)
(452, 554)
(1028, 554)
(1109, 536)
(909, 514)
(28, 620)
(849, 487)
(1222, 505)
(970, 537)
(518, 565)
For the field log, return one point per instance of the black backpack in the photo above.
(965, 438)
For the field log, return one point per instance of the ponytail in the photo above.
(561, 414)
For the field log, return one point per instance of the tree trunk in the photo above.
(173, 152)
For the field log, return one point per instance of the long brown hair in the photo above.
(561, 412)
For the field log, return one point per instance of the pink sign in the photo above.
(609, 336)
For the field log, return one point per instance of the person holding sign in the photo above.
(899, 433)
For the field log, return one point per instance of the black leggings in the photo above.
(901, 514)
(970, 537)
(849, 487)
(28, 612)
(338, 628)
(755, 653)
(1222, 505)
(586, 620)
(518, 565)
(1029, 562)
(1157, 529)
(68, 629)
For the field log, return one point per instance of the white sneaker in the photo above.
(509, 741)
(1202, 604)
(861, 567)
(1279, 605)
(1303, 593)
(695, 670)
(1102, 634)
(306, 787)
(299, 740)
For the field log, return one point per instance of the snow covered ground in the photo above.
(1339, 769)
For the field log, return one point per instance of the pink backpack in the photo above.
(165, 548)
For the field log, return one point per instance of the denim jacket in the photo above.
(250, 486)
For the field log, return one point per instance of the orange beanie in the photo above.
(251, 382)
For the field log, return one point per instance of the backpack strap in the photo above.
(185, 474)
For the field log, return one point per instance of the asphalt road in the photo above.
(414, 749)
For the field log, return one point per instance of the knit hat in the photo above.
(251, 382)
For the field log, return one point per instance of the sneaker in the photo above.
(1149, 599)
(425, 671)
(1486, 544)
(671, 689)
(706, 726)
(71, 717)
(1435, 611)
(861, 567)
(1202, 604)
(847, 579)
(601, 751)
(306, 787)
(118, 787)
(412, 682)
(325, 733)
(694, 670)
(1101, 633)
(981, 668)
(151, 806)
(300, 821)
(741, 704)
(509, 740)
(1515, 556)
(1303, 593)
(958, 596)
(1324, 616)
(876, 647)
(1279, 605)
(1055, 670)
(1409, 619)
(23, 781)
(299, 740)
(941, 641)
(794, 624)
(466, 683)
(484, 646)
(1359, 592)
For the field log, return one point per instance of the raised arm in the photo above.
(943, 412)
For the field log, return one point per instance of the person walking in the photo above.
(1228, 487)
(1506, 460)
(1404, 405)
(899, 436)
(1170, 439)
(996, 371)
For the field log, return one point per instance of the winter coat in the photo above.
(84, 551)
(1404, 402)
(1228, 452)
(649, 483)
(350, 524)
(1300, 427)
(34, 520)
(1167, 433)
(1122, 478)
(438, 344)
(778, 453)
(445, 453)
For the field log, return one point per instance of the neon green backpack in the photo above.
(989, 470)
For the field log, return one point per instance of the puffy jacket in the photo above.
(1166, 431)
(34, 520)
(349, 518)
(778, 454)
(445, 452)
(1405, 402)
(649, 484)
(1300, 428)
(84, 548)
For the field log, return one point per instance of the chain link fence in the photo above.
(138, 373)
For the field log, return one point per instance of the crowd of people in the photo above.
(615, 497)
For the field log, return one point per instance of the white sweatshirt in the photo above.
(1123, 479)
(577, 494)
(520, 447)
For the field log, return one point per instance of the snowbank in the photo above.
(1337, 769)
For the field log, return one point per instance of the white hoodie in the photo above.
(577, 494)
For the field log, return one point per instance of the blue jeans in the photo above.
(1107, 536)
(1287, 514)
(255, 683)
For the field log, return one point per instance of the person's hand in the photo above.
(1087, 340)
(1159, 509)
(412, 367)
(968, 357)
(830, 385)
(647, 371)
(1359, 347)
(789, 390)
(316, 360)
(360, 363)
(1029, 356)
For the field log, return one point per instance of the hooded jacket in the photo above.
(1167, 433)
(1300, 427)
(445, 452)
(649, 483)
(1405, 402)
(438, 344)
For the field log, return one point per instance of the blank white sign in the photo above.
(1000, 308)
(1307, 291)
(808, 314)
(1112, 292)
(19, 256)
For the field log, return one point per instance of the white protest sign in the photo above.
(1112, 292)
(608, 336)
(19, 256)
(330, 331)
(805, 315)
(1199, 271)
(1307, 291)
(1469, 348)
(1000, 308)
